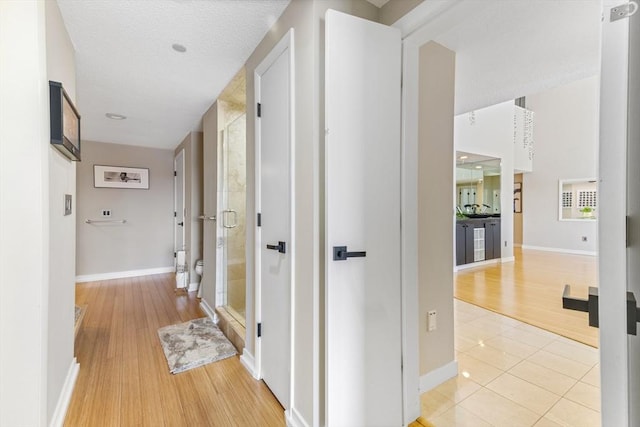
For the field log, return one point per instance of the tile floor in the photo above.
(513, 374)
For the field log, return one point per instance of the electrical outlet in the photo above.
(106, 213)
(431, 320)
(584, 238)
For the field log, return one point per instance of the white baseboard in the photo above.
(193, 286)
(294, 419)
(121, 274)
(57, 420)
(438, 376)
(507, 259)
(561, 250)
(476, 264)
(249, 362)
(209, 311)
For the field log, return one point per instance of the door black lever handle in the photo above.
(587, 305)
(181, 224)
(280, 247)
(340, 253)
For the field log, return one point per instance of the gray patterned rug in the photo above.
(192, 344)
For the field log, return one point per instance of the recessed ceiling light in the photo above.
(463, 157)
(113, 116)
(179, 48)
(478, 167)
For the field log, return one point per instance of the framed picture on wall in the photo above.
(517, 197)
(120, 177)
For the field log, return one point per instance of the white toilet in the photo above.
(198, 270)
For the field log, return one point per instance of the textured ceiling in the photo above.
(508, 49)
(125, 63)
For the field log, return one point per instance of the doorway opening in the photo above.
(232, 184)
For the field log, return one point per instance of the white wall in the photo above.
(24, 214)
(566, 133)
(489, 131)
(61, 365)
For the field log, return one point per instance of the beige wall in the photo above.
(435, 220)
(210, 197)
(146, 240)
(517, 217)
(396, 9)
(192, 146)
(306, 17)
(62, 231)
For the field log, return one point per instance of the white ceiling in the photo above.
(378, 3)
(125, 63)
(506, 49)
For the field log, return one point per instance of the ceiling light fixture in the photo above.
(463, 157)
(478, 167)
(113, 116)
(178, 48)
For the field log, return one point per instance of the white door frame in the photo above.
(178, 158)
(612, 227)
(286, 43)
(421, 25)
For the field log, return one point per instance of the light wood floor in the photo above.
(530, 290)
(124, 379)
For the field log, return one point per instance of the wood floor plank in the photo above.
(530, 290)
(124, 379)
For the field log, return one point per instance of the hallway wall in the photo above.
(193, 159)
(145, 242)
(566, 134)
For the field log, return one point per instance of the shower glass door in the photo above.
(233, 213)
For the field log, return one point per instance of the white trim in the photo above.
(285, 44)
(180, 155)
(123, 274)
(204, 305)
(57, 419)
(560, 250)
(193, 286)
(420, 25)
(476, 264)
(249, 362)
(507, 259)
(294, 419)
(438, 376)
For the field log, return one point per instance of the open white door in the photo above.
(619, 220)
(363, 275)
(274, 246)
(179, 207)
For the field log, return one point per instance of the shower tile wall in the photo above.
(236, 196)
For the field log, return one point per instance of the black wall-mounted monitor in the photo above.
(65, 122)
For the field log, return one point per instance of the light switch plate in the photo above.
(67, 204)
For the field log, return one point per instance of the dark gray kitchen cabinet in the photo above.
(477, 246)
(492, 239)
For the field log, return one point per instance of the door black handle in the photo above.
(591, 306)
(587, 305)
(181, 224)
(280, 247)
(340, 253)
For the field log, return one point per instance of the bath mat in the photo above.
(192, 344)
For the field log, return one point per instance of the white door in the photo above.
(619, 219)
(178, 207)
(363, 276)
(273, 189)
